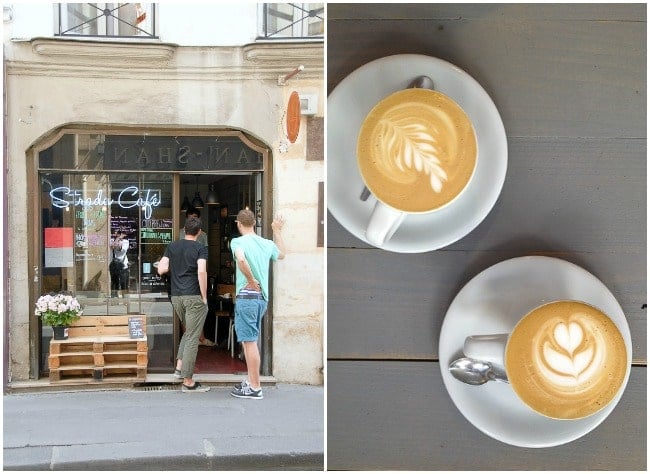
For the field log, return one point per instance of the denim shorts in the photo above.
(248, 318)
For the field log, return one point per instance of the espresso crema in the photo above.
(566, 360)
(416, 150)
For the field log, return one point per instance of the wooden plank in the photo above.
(398, 416)
(391, 306)
(569, 194)
(128, 345)
(103, 322)
(68, 346)
(558, 79)
(485, 12)
(136, 360)
(122, 371)
(63, 374)
(137, 373)
(95, 331)
(100, 339)
(74, 359)
(76, 367)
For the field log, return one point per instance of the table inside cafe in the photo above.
(569, 82)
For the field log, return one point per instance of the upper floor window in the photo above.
(106, 19)
(293, 20)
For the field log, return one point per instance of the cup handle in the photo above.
(486, 347)
(384, 222)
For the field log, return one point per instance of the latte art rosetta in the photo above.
(414, 147)
(416, 150)
(571, 353)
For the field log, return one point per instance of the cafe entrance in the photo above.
(94, 185)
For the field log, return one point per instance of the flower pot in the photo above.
(60, 332)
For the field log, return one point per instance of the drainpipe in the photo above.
(5, 233)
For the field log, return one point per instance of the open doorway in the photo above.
(217, 198)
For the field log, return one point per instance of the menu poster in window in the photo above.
(128, 225)
(90, 234)
(155, 235)
(156, 231)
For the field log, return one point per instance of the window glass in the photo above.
(83, 216)
(105, 19)
(293, 20)
(96, 152)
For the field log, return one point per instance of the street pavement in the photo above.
(165, 429)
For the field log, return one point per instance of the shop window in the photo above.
(94, 187)
(105, 19)
(293, 20)
(82, 215)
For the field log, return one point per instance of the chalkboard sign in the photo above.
(136, 331)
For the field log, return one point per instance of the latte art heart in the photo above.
(568, 336)
(566, 359)
(570, 352)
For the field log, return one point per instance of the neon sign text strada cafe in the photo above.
(146, 153)
(63, 197)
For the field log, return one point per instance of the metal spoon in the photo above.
(420, 82)
(475, 372)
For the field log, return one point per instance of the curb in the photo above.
(44, 459)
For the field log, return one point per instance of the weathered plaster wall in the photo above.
(52, 83)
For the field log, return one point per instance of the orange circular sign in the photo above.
(293, 117)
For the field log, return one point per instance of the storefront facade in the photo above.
(107, 136)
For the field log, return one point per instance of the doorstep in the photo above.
(126, 383)
(209, 379)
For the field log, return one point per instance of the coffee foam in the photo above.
(416, 150)
(566, 360)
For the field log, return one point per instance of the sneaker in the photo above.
(206, 342)
(242, 384)
(177, 374)
(247, 392)
(197, 387)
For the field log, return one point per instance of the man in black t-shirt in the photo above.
(186, 261)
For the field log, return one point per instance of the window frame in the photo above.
(101, 21)
(297, 20)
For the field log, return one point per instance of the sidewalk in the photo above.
(165, 430)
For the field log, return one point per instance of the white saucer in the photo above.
(348, 105)
(492, 302)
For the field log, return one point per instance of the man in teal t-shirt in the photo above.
(253, 255)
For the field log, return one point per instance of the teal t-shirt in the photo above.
(259, 252)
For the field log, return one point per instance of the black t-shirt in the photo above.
(183, 269)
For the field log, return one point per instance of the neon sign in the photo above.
(63, 197)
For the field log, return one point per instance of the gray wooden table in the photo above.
(570, 84)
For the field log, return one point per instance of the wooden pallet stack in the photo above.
(101, 348)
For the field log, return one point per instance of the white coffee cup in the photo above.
(564, 359)
(417, 153)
